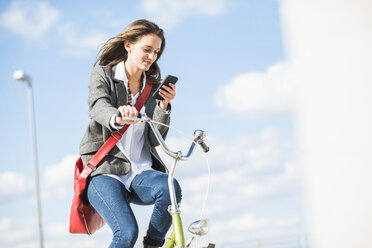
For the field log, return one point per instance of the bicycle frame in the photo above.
(177, 238)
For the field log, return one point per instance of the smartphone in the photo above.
(168, 80)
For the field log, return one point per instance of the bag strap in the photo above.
(116, 136)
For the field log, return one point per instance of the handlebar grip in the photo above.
(119, 114)
(204, 146)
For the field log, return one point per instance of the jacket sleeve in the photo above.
(100, 97)
(160, 116)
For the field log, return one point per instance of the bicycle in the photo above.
(197, 228)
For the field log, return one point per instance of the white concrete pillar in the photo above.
(329, 49)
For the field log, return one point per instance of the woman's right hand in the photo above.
(126, 111)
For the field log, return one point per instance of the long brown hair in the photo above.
(113, 51)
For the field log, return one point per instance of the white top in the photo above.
(132, 144)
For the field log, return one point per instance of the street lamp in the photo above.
(21, 76)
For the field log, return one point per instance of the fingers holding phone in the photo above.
(168, 93)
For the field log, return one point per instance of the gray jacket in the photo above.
(106, 94)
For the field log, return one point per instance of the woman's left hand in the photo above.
(168, 93)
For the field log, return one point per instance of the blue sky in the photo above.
(229, 58)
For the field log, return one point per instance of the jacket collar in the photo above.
(120, 75)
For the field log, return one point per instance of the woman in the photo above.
(132, 171)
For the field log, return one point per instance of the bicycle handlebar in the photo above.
(199, 136)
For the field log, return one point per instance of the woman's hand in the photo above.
(126, 111)
(168, 96)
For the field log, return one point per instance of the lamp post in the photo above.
(21, 76)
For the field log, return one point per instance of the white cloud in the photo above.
(286, 222)
(260, 151)
(247, 188)
(14, 185)
(257, 92)
(79, 44)
(59, 177)
(32, 20)
(168, 13)
(4, 224)
(240, 229)
(29, 19)
(23, 233)
(17, 233)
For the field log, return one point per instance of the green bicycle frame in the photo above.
(177, 238)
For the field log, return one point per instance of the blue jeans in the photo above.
(111, 200)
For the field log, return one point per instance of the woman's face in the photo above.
(144, 52)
